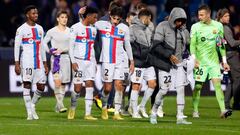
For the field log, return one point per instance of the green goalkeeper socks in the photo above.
(219, 95)
(196, 96)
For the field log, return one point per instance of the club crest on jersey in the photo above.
(84, 40)
(108, 34)
(30, 40)
(214, 31)
(40, 33)
(120, 32)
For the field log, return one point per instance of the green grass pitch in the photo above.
(13, 120)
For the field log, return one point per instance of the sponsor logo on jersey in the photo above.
(203, 39)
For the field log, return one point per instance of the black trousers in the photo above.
(233, 89)
(155, 92)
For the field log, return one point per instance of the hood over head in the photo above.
(176, 13)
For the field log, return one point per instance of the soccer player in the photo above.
(141, 41)
(82, 56)
(114, 37)
(59, 37)
(32, 66)
(170, 40)
(206, 37)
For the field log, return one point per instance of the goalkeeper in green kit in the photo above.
(206, 41)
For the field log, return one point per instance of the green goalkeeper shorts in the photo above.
(202, 72)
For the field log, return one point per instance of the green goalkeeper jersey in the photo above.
(204, 39)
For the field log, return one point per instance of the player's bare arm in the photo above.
(226, 67)
(17, 68)
(131, 67)
(196, 63)
(75, 67)
(45, 67)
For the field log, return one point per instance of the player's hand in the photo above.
(131, 67)
(82, 10)
(174, 59)
(17, 68)
(58, 52)
(46, 68)
(196, 65)
(226, 67)
(75, 67)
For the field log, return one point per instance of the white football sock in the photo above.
(27, 99)
(58, 96)
(158, 99)
(104, 99)
(147, 95)
(118, 101)
(74, 97)
(134, 101)
(62, 94)
(36, 96)
(180, 100)
(88, 100)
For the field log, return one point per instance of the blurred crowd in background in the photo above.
(11, 12)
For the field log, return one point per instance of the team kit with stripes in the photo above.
(77, 45)
(30, 39)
